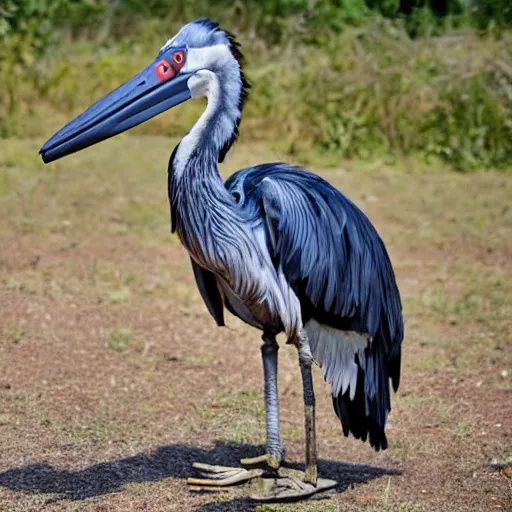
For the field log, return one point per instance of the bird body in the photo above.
(229, 241)
(300, 254)
(275, 245)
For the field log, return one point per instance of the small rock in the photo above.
(504, 373)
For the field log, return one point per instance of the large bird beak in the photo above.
(146, 95)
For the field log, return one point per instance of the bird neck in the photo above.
(215, 131)
(196, 189)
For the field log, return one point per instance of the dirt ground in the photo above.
(114, 379)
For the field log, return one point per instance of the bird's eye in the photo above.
(178, 58)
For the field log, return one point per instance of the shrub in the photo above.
(350, 91)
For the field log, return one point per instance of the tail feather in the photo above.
(359, 371)
(356, 415)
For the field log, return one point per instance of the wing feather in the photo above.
(338, 266)
(207, 284)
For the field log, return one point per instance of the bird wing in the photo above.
(338, 266)
(207, 284)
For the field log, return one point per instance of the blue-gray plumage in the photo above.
(276, 245)
(338, 267)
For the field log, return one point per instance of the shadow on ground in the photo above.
(169, 461)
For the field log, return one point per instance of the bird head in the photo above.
(186, 67)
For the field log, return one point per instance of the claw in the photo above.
(265, 461)
(289, 488)
(221, 476)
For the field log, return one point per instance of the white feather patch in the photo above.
(334, 351)
(222, 88)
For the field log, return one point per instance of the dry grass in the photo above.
(113, 378)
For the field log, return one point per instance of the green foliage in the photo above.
(327, 74)
(374, 91)
(34, 22)
(388, 8)
(489, 14)
(26, 25)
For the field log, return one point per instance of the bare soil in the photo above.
(114, 379)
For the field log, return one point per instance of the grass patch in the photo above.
(332, 505)
(119, 339)
(329, 506)
(17, 334)
(250, 401)
(473, 300)
(237, 416)
(483, 297)
(198, 361)
(118, 296)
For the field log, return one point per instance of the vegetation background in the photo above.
(331, 78)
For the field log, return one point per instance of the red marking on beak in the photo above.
(164, 71)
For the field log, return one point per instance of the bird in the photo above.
(275, 245)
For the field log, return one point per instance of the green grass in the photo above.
(118, 296)
(119, 339)
(477, 302)
(17, 334)
(199, 360)
(330, 506)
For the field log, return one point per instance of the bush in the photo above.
(360, 91)
(486, 13)
(374, 91)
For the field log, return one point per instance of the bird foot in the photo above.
(221, 476)
(281, 485)
(288, 487)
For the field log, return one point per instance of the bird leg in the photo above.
(305, 360)
(272, 459)
(266, 464)
(270, 482)
(292, 485)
